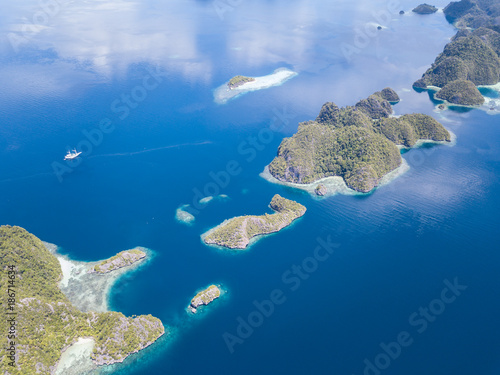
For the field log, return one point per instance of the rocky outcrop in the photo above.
(205, 297)
(122, 259)
(328, 113)
(425, 9)
(388, 94)
(321, 190)
(375, 107)
(461, 92)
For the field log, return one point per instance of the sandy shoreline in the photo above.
(491, 105)
(75, 359)
(89, 291)
(223, 94)
(335, 184)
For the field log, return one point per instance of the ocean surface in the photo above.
(145, 72)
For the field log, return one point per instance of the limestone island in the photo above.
(472, 13)
(48, 324)
(425, 9)
(473, 54)
(461, 92)
(204, 297)
(357, 143)
(236, 233)
(471, 58)
(122, 259)
(240, 85)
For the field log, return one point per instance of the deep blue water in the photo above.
(394, 248)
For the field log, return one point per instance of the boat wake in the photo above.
(110, 155)
(150, 150)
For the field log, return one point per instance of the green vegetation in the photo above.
(473, 13)
(473, 58)
(471, 55)
(352, 152)
(408, 129)
(355, 143)
(375, 107)
(461, 92)
(122, 259)
(425, 9)
(205, 296)
(328, 114)
(338, 118)
(238, 81)
(388, 94)
(236, 233)
(47, 322)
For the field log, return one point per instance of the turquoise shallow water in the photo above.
(394, 248)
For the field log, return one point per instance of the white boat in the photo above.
(72, 155)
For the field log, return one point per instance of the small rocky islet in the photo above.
(425, 9)
(120, 260)
(204, 297)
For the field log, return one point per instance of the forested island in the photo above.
(473, 13)
(425, 9)
(236, 233)
(357, 143)
(471, 58)
(460, 92)
(47, 323)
